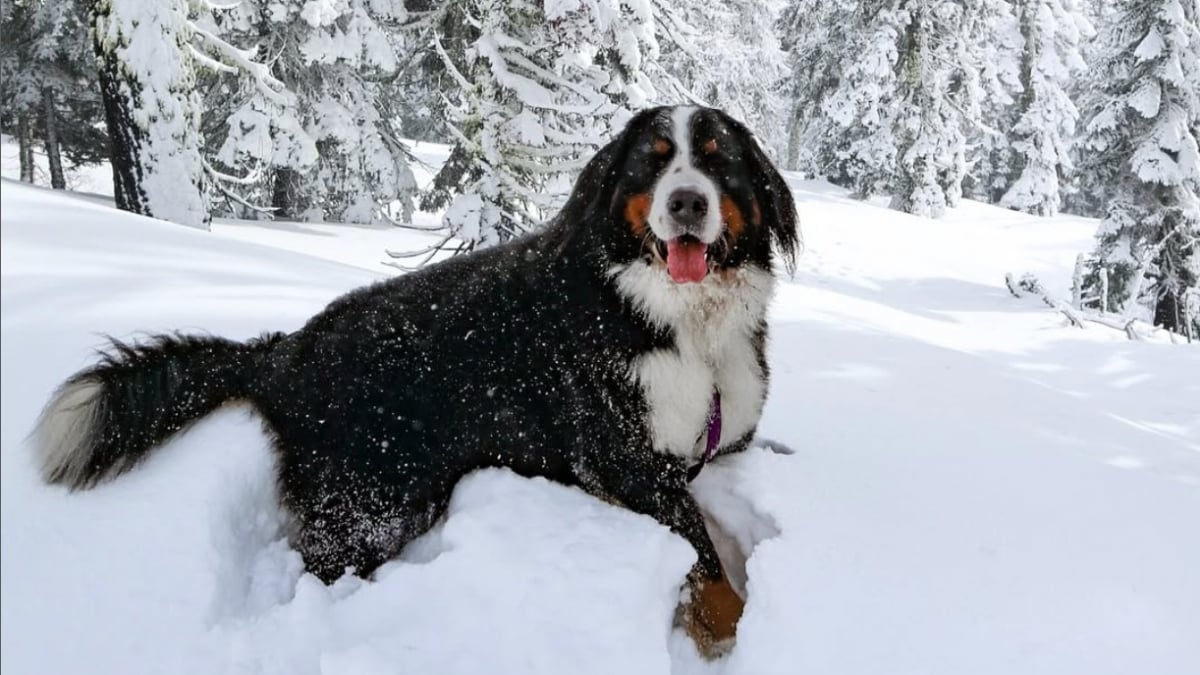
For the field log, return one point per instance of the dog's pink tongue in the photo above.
(685, 260)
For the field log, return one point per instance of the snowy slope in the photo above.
(353, 244)
(976, 488)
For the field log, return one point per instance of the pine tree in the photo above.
(892, 104)
(1045, 115)
(15, 89)
(942, 52)
(992, 160)
(48, 83)
(1141, 163)
(808, 29)
(740, 67)
(537, 89)
(843, 76)
(146, 78)
(329, 149)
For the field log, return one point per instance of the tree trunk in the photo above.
(792, 161)
(1166, 311)
(156, 163)
(53, 152)
(286, 195)
(124, 137)
(25, 143)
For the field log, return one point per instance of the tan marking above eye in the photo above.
(661, 146)
(709, 146)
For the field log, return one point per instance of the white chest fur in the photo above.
(714, 323)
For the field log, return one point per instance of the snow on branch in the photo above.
(1030, 284)
(455, 73)
(249, 179)
(220, 6)
(232, 59)
(211, 63)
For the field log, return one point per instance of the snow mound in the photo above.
(976, 488)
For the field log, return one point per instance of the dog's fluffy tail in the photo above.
(108, 417)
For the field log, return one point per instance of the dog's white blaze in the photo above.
(66, 430)
(713, 322)
(682, 174)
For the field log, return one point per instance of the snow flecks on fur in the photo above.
(715, 323)
(682, 173)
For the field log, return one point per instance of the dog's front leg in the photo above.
(655, 484)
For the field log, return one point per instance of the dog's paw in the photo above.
(735, 522)
(772, 445)
(710, 616)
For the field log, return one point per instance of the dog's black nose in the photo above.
(687, 207)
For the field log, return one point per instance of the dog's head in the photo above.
(687, 189)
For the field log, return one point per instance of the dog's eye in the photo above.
(709, 147)
(661, 146)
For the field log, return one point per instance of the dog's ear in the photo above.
(596, 181)
(592, 189)
(776, 206)
(596, 187)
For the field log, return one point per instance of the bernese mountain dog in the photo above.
(617, 349)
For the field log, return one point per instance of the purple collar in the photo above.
(712, 436)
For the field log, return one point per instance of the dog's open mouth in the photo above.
(686, 257)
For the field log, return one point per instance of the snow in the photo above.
(1146, 99)
(1149, 48)
(976, 487)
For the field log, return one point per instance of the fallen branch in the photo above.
(1029, 285)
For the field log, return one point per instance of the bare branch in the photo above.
(1029, 285)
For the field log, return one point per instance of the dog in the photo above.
(617, 348)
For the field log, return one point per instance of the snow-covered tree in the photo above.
(537, 88)
(329, 149)
(149, 56)
(1045, 116)
(16, 100)
(725, 55)
(1141, 163)
(892, 103)
(808, 31)
(147, 73)
(992, 157)
(48, 83)
(943, 54)
(422, 79)
(843, 78)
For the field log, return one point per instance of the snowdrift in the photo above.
(976, 487)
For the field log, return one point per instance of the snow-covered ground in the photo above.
(977, 488)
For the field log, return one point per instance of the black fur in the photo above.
(155, 389)
(514, 356)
